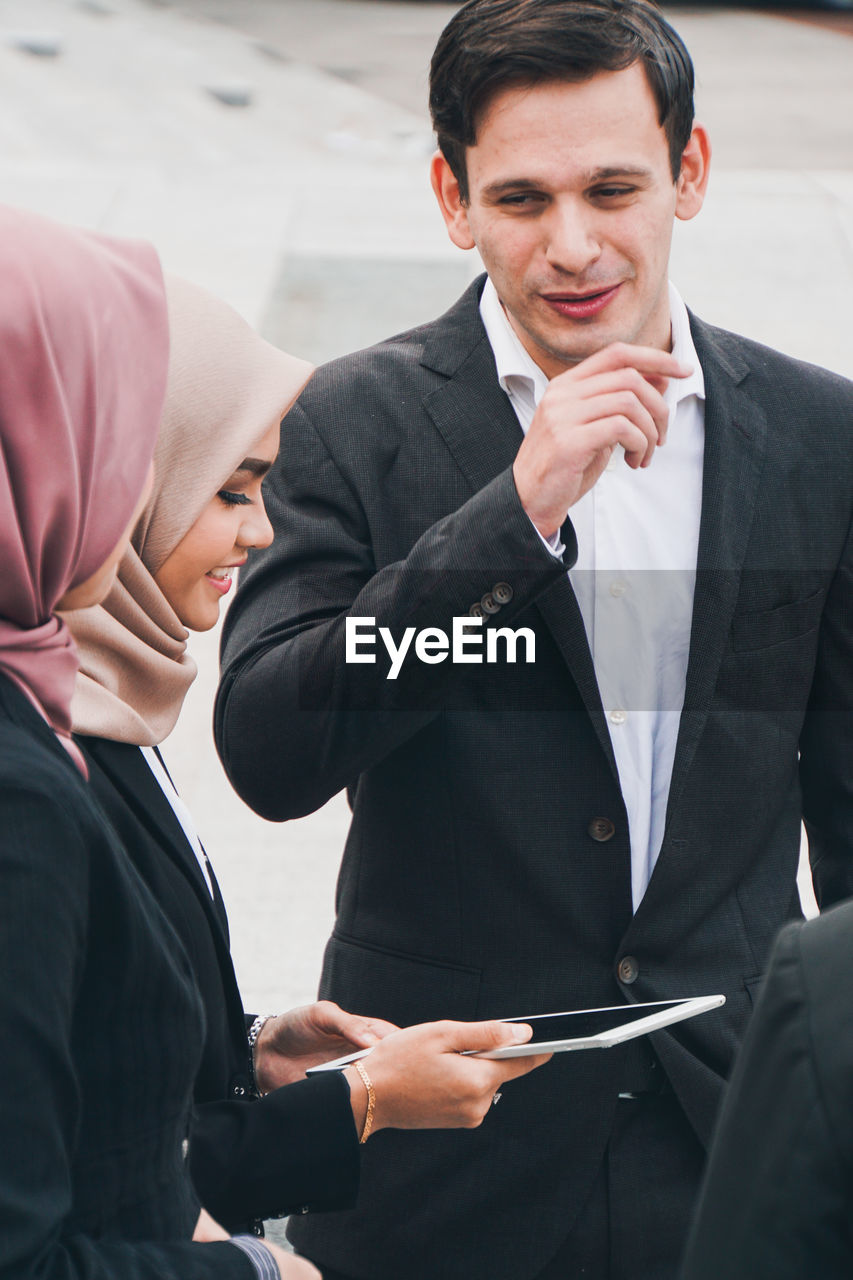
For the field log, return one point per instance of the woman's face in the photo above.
(198, 574)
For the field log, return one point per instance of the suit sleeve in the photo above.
(776, 1196)
(294, 722)
(43, 935)
(294, 1150)
(826, 745)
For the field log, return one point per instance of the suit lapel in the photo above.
(128, 771)
(735, 442)
(470, 398)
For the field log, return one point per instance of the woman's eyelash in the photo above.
(232, 499)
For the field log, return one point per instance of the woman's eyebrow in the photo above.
(257, 466)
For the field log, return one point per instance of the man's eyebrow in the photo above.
(511, 184)
(256, 466)
(497, 189)
(619, 171)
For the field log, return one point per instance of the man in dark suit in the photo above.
(617, 819)
(777, 1197)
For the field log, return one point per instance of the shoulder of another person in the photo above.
(828, 938)
(827, 980)
(32, 759)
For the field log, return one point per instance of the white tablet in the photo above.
(579, 1028)
(600, 1028)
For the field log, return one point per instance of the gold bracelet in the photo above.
(371, 1102)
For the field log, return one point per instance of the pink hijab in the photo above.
(83, 361)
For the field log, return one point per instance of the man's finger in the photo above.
(646, 360)
(623, 404)
(629, 382)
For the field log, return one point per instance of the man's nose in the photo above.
(574, 242)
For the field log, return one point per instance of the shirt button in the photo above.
(601, 829)
(489, 604)
(628, 970)
(502, 592)
(476, 610)
(617, 716)
(618, 589)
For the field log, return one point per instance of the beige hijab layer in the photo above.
(226, 387)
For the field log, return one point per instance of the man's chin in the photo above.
(570, 352)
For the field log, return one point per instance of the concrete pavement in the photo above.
(309, 209)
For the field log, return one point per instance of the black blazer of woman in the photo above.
(95, 1087)
(294, 1150)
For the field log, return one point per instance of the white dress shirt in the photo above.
(638, 536)
(180, 810)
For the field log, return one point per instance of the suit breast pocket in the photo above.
(402, 988)
(767, 627)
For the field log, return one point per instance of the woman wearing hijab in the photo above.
(296, 1147)
(95, 1088)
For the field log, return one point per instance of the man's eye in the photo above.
(612, 193)
(520, 199)
(232, 499)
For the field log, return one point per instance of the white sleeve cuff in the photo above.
(554, 544)
(264, 1263)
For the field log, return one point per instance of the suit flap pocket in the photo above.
(369, 980)
(772, 626)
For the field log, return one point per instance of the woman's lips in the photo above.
(222, 585)
(581, 306)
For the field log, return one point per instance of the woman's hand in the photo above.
(292, 1042)
(290, 1267)
(422, 1080)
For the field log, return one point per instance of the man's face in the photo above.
(571, 205)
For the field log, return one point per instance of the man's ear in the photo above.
(693, 179)
(449, 198)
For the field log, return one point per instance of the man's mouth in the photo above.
(581, 306)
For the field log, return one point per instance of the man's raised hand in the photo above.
(614, 397)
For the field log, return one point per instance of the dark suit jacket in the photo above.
(95, 1084)
(296, 1147)
(477, 879)
(779, 1192)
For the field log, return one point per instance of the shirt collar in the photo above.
(679, 389)
(513, 362)
(515, 365)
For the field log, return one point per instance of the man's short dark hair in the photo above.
(491, 45)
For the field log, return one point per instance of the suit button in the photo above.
(628, 970)
(602, 829)
(502, 592)
(476, 610)
(489, 604)
(238, 1091)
